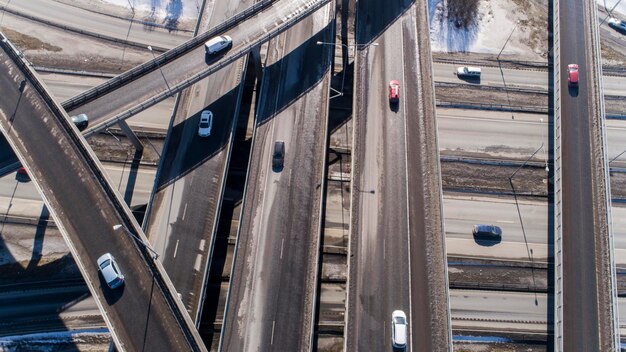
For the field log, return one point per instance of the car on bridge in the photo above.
(394, 92)
(398, 329)
(217, 44)
(110, 271)
(81, 121)
(493, 231)
(278, 157)
(205, 124)
(572, 75)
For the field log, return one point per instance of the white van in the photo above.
(217, 44)
(470, 72)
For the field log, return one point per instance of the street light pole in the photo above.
(120, 226)
(345, 64)
(159, 66)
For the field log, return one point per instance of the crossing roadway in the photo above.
(271, 300)
(143, 313)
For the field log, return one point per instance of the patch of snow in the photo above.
(487, 33)
(49, 337)
(186, 9)
(619, 11)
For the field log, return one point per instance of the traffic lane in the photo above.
(581, 294)
(493, 76)
(524, 227)
(91, 21)
(270, 300)
(488, 135)
(375, 17)
(523, 78)
(138, 312)
(429, 285)
(184, 67)
(177, 208)
(379, 249)
(186, 201)
(64, 87)
(481, 133)
(15, 187)
(498, 309)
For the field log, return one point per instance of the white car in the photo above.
(110, 271)
(217, 44)
(617, 25)
(205, 124)
(398, 329)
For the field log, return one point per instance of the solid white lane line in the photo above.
(176, 248)
(282, 243)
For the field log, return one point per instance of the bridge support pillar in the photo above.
(131, 135)
(255, 56)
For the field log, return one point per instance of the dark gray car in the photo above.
(487, 231)
(81, 121)
(278, 157)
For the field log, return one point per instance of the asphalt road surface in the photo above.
(396, 235)
(513, 78)
(64, 87)
(34, 309)
(523, 230)
(184, 67)
(185, 207)
(91, 21)
(587, 324)
(497, 310)
(272, 294)
(138, 313)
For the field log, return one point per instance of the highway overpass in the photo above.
(397, 250)
(586, 297)
(144, 313)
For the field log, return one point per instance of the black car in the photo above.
(487, 231)
(278, 158)
(618, 25)
(81, 121)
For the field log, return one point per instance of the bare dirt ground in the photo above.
(494, 179)
(52, 47)
(497, 347)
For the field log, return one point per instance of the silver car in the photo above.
(398, 329)
(110, 271)
(205, 124)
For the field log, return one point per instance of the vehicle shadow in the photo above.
(111, 295)
(573, 91)
(191, 151)
(307, 66)
(373, 20)
(487, 241)
(472, 80)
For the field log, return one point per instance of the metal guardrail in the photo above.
(138, 71)
(605, 170)
(558, 195)
(495, 286)
(126, 217)
(495, 107)
(313, 6)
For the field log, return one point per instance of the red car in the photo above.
(394, 91)
(572, 75)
